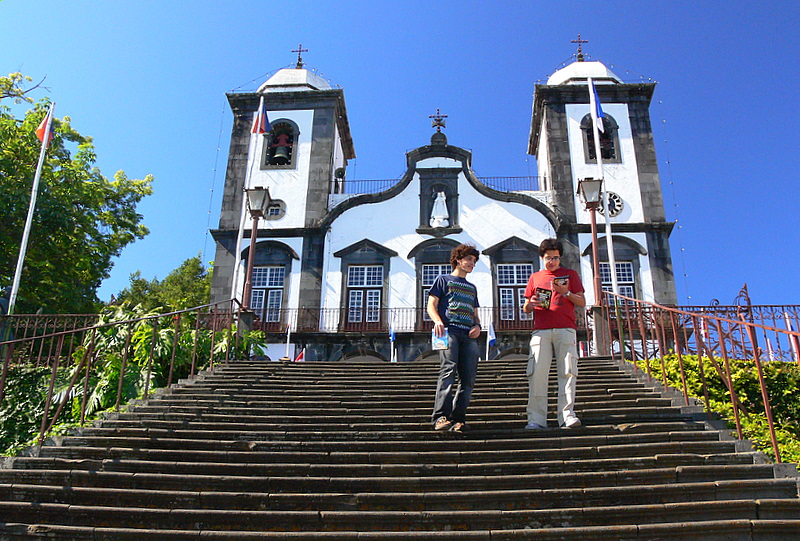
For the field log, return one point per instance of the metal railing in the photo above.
(640, 332)
(335, 320)
(74, 345)
(503, 184)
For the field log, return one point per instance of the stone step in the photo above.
(385, 520)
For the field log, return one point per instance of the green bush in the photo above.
(782, 382)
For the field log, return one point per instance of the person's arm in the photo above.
(475, 331)
(575, 298)
(433, 313)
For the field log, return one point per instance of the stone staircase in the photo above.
(345, 451)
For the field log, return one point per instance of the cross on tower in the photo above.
(300, 51)
(580, 42)
(438, 121)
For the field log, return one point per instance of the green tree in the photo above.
(187, 286)
(82, 220)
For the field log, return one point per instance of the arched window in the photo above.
(609, 140)
(279, 145)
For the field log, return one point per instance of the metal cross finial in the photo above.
(300, 51)
(580, 42)
(438, 121)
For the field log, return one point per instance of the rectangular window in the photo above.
(266, 298)
(512, 280)
(626, 279)
(364, 291)
(429, 274)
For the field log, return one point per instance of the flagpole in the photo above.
(31, 207)
(251, 158)
(612, 262)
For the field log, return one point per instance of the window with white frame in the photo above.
(511, 282)
(626, 281)
(429, 274)
(364, 286)
(266, 295)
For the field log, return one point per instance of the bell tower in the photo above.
(291, 137)
(561, 138)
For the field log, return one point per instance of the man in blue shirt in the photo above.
(453, 304)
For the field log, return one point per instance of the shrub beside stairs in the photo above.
(345, 451)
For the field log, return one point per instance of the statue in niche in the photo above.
(439, 215)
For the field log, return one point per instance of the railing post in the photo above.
(680, 357)
(153, 337)
(698, 340)
(174, 348)
(124, 366)
(734, 398)
(764, 394)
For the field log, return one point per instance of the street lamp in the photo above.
(258, 201)
(589, 190)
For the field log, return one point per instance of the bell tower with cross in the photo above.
(562, 139)
(300, 154)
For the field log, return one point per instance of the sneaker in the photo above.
(571, 422)
(442, 423)
(459, 427)
(534, 426)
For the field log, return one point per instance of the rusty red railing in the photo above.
(72, 343)
(641, 331)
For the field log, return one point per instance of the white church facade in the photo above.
(340, 264)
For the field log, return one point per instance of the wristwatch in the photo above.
(568, 293)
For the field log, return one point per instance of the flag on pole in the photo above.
(46, 127)
(597, 110)
(260, 120)
(492, 337)
(300, 356)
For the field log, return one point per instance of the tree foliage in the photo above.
(185, 287)
(82, 220)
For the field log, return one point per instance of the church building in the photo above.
(342, 268)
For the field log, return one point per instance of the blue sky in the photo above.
(147, 80)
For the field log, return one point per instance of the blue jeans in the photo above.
(460, 358)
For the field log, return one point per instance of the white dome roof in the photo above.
(578, 72)
(294, 79)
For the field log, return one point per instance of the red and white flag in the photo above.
(300, 356)
(260, 120)
(46, 127)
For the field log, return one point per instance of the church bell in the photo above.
(280, 156)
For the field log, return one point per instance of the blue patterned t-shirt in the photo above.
(458, 300)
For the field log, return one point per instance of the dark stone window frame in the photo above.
(279, 126)
(609, 140)
(429, 252)
(512, 251)
(364, 253)
(625, 251)
(273, 254)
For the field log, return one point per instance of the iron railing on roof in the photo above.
(503, 184)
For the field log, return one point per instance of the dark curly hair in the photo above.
(461, 251)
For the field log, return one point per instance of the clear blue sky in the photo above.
(147, 80)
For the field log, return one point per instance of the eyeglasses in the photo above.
(553, 258)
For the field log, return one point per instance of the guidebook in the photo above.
(561, 280)
(440, 342)
(544, 296)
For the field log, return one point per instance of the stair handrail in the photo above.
(231, 311)
(675, 328)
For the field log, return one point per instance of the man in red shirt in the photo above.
(552, 294)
